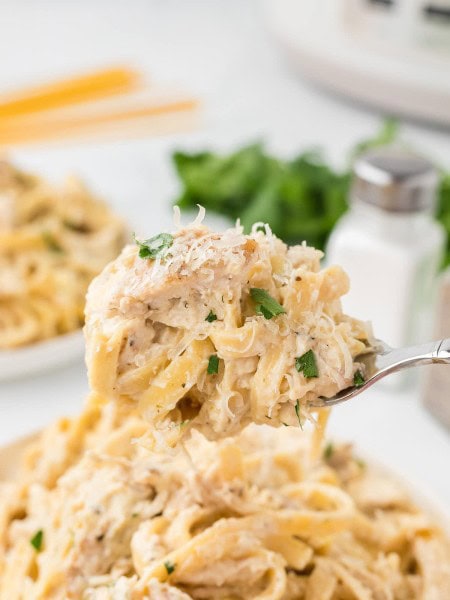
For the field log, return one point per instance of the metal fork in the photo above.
(384, 360)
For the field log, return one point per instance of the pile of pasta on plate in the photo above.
(53, 242)
(198, 469)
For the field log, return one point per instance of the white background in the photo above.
(220, 51)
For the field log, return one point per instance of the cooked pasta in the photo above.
(53, 241)
(219, 330)
(269, 514)
(254, 517)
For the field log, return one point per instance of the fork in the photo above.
(384, 360)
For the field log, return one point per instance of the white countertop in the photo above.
(221, 52)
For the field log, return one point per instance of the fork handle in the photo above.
(423, 354)
(443, 352)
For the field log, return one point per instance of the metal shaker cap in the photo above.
(395, 180)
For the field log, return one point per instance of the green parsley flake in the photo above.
(265, 304)
(213, 364)
(297, 412)
(155, 247)
(358, 379)
(36, 540)
(260, 310)
(328, 452)
(170, 567)
(211, 317)
(51, 242)
(307, 364)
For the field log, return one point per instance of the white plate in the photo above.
(42, 356)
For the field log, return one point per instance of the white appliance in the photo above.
(393, 54)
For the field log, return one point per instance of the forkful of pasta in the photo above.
(213, 331)
(384, 361)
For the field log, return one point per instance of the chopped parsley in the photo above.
(170, 567)
(260, 310)
(155, 247)
(306, 363)
(51, 242)
(358, 379)
(36, 540)
(297, 412)
(211, 317)
(213, 364)
(328, 452)
(265, 304)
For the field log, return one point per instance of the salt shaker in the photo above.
(390, 245)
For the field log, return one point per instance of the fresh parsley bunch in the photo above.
(443, 212)
(300, 199)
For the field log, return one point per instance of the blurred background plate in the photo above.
(42, 356)
(372, 52)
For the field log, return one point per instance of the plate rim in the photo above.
(41, 356)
